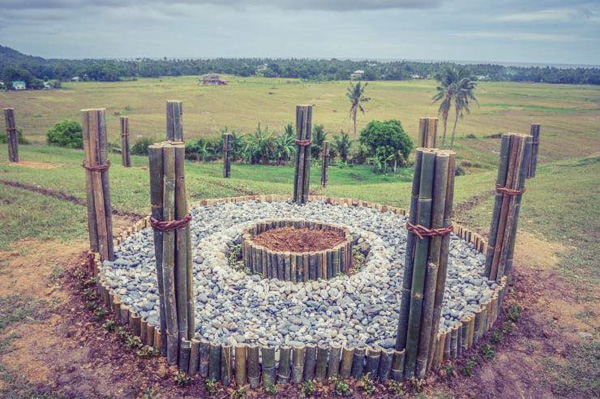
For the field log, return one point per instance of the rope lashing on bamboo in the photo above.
(170, 225)
(303, 143)
(508, 191)
(125, 135)
(96, 168)
(11, 129)
(422, 231)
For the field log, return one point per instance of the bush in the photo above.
(67, 133)
(20, 138)
(141, 146)
(388, 144)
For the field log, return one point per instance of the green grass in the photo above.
(579, 374)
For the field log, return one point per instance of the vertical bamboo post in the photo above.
(428, 129)
(125, 152)
(534, 131)
(302, 161)
(174, 120)
(226, 155)
(514, 164)
(240, 365)
(11, 135)
(325, 163)
(429, 226)
(97, 184)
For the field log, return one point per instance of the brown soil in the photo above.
(37, 165)
(290, 239)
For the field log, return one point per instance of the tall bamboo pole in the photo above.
(125, 152)
(96, 164)
(181, 253)
(174, 120)
(11, 135)
(302, 161)
(325, 163)
(156, 168)
(169, 257)
(534, 131)
(428, 129)
(226, 155)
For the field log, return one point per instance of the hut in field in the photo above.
(212, 79)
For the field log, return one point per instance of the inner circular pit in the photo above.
(297, 250)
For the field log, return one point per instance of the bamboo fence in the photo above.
(534, 131)
(426, 261)
(125, 151)
(96, 166)
(302, 160)
(428, 131)
(325, 155)
(246, 366)
(515, 150)
(12, 137)
(226, 155)
(172, 243)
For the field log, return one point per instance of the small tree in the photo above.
(285, 145)
(342, 145)
(356, 95)
(67, 134)
(388, 144)
(318, 137)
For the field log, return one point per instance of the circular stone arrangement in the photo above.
(297, 250)
(234, 306)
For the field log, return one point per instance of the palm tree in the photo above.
(356, 95)
(464, 93)
(285, 145)
(455, 85)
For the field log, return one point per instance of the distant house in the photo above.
(19, 85)
(416, 76)
(75, 79)
(356, 75)
(212, 80)
(2, 85)
(483, 77)
(48, 86)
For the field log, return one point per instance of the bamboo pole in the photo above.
(204, 358)
(253, 366)
(325, 163)
(240, 365)
(174, 121)
(428, 128)
(409, 258)
(322, 359)
(534, 131)
(358, 362)
(96, 164)
(125, 151)
(333, 365)
(385, 365)
(420, 264)
(185, 351)
(284, 369)
(269, 372)
(214, 363)
(398, 365)
(226, 364)
(346, 365)
(310, 361)
(156, 168)
(12, 137)
(194, 357)
(373, 359)
(302, 160)
(169, 258)
(227, 155)
(298, 363)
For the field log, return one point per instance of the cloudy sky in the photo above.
(542, 31)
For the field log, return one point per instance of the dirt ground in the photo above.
(66, 352)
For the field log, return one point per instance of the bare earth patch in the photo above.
(290, 239)
(37, 165)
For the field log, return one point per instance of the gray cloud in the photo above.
(328, 5)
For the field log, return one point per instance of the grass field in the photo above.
(561, 208)
(564, 110)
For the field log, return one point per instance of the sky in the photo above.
(529, 31)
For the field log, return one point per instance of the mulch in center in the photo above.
(290, 239)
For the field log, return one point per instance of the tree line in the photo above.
(17, 66)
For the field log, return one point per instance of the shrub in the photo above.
(67, 133)
(317, 139)
(459, 171)
(20, 138)
(388, 144)
(141, 146)
(204, 149)
(342, 145)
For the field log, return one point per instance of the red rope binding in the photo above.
(97, 168)
(303, 143)
(169, 225)
(508, 191)
(422, 231)
(11, 129)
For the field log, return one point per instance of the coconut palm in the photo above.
(356, 95)
(455, 85)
